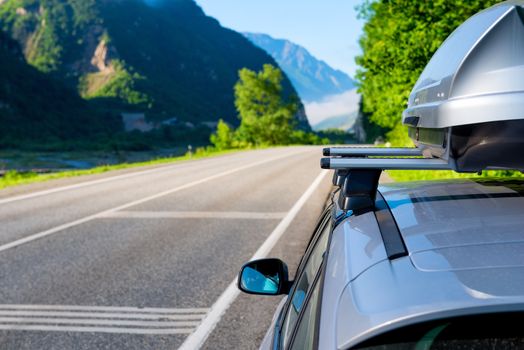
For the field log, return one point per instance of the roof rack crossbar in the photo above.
(371, 152)
(385, 163)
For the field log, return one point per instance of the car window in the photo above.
(304, 282)
(488, 331)
(305, 336)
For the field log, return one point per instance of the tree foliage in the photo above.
(400, 36)
(121, 85)
(266, 117)
(224, 138)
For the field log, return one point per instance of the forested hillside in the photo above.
(36, 108)
(169, 61)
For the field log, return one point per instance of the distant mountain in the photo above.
(164, 58)
(312, 78)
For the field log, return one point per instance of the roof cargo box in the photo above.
(467, 107)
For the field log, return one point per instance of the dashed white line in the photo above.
(197, 339)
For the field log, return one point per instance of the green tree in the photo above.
(400, 36)
(224, 137)
(266, 116)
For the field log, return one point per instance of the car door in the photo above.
(304, 296)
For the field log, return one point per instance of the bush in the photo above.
(224, 137)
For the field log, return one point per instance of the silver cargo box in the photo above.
(467, 107)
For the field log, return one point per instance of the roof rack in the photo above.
(385, 163)
(358, 158)
(358, 177)
(372, 151)
(358, 169)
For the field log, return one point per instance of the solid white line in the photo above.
(137, 310)
(160, 168)
(193, 215)
(197, 339)
(80, 314)
(83, 184)
(140, 201)
(21, 327)
(96, 322)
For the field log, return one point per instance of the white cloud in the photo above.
(345, 103)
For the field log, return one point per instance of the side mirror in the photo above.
(264, 277)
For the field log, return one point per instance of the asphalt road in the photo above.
(144, 259)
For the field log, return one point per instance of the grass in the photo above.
(15, 178)
(423, 175)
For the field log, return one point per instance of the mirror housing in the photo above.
(264, 277)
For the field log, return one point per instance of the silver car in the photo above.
(459, 285)
(422, 265)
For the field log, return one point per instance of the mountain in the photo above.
(163, 58)
(312, 78)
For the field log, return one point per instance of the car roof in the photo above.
(465, 246)
(453, 225)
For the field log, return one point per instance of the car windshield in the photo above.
(491, 331)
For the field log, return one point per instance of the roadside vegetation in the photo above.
(422, 175)
(15, 178)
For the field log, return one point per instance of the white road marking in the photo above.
(160, 168)
(197, 339)
(114, 330)
(101, 315)
(158, 310)
(97, 322)
(83, 184)
(103, 319)
(60, 228)
(193, 215)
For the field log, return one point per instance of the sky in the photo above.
(328, 29)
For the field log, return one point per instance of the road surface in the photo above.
(145, 259)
